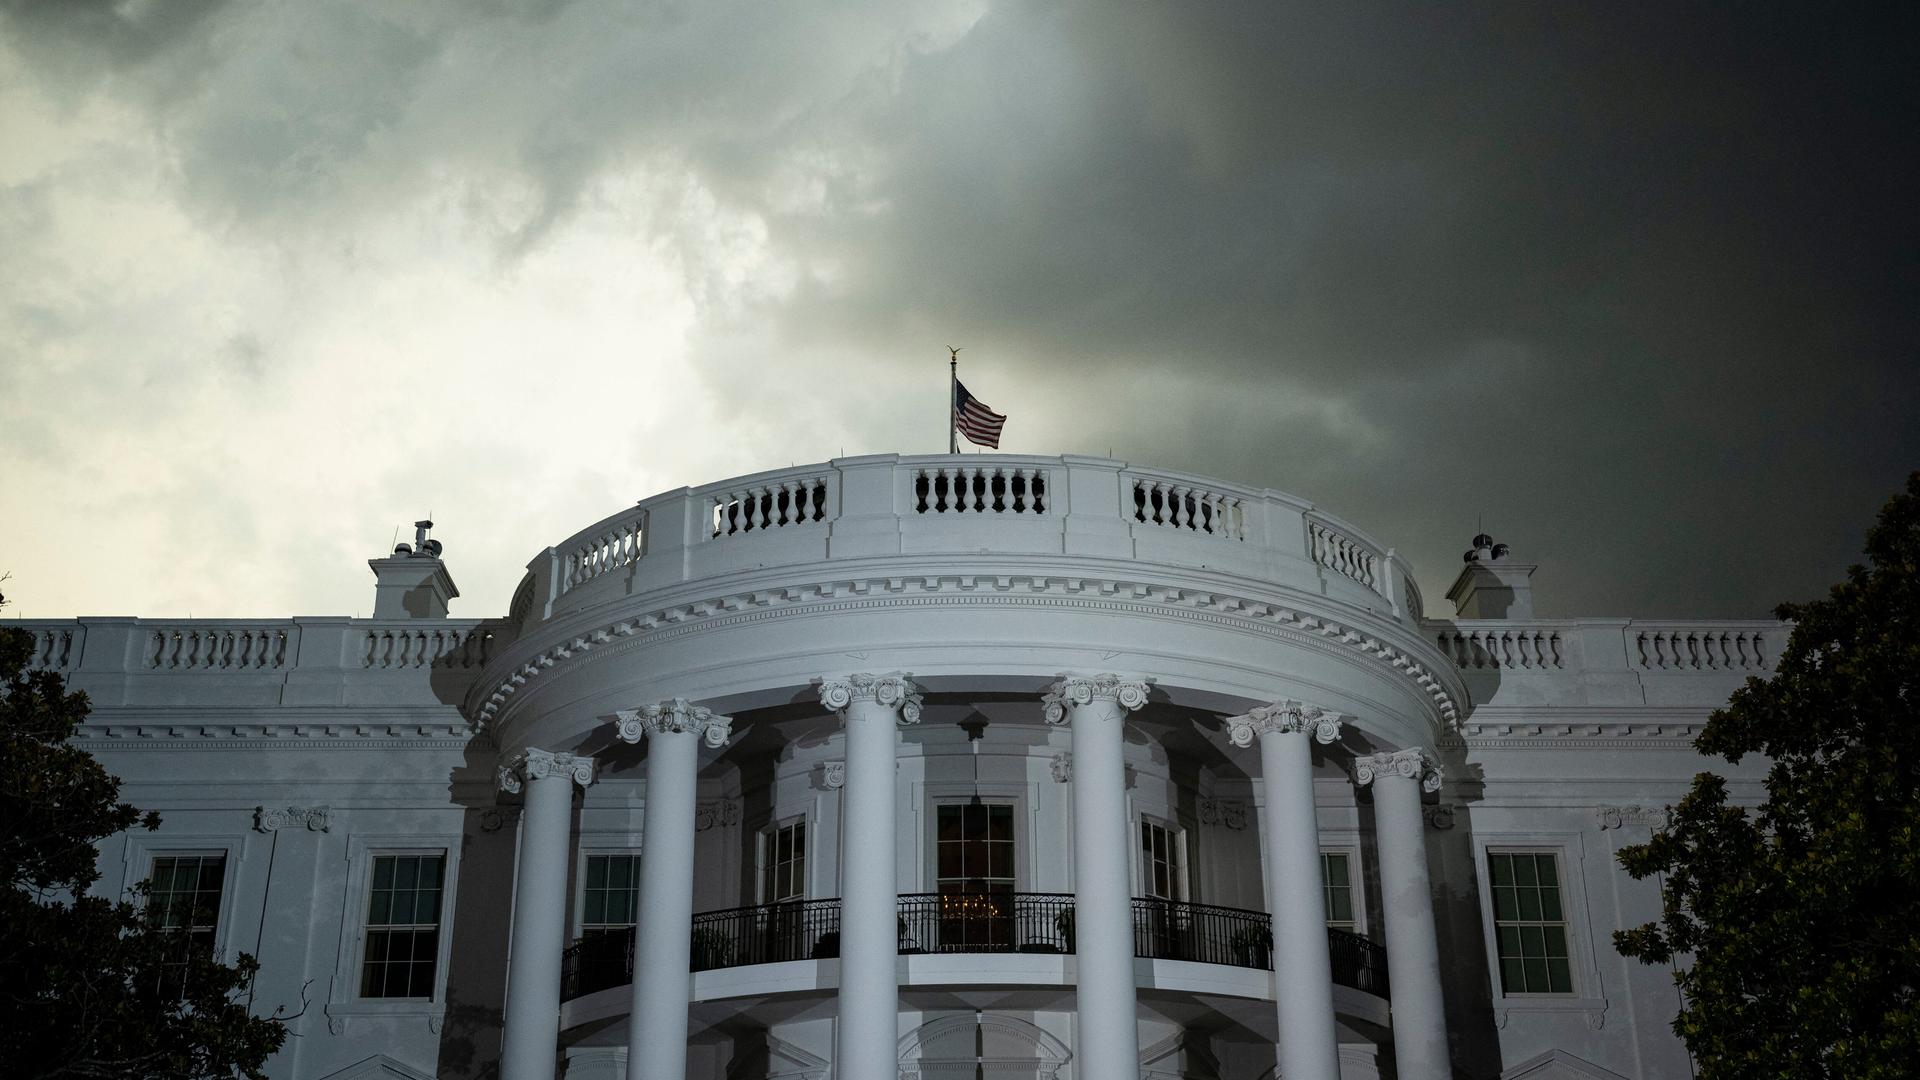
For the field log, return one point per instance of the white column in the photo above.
(1290, 829)
(530, 1040)
(1109, 1030)
(1413, 950)
(662, 982)
(869, 706)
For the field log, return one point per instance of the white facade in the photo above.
(934, 767)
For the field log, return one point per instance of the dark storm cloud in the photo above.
(1630, 282)
(1634, 283)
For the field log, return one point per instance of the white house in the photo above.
(925, 767)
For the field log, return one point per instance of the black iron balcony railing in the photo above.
(975, 922)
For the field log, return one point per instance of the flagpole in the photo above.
(953, 401)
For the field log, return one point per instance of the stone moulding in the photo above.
(964, 590)
(273, 818)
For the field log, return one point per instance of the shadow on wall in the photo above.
(1471, 1027)
(482, 906)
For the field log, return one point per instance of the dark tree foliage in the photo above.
(1797, 925)
(92, 987)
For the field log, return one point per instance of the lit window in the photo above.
(1160, 862)
(974, 876)
(184, 901)
(403, 927)
(785, 855)
(1337, 878)
(1528, 923)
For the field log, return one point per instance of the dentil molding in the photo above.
(969, 590)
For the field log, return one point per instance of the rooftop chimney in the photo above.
(412, 583)
(1490, 585)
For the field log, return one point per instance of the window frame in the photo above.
(343, 995)
(440, 928)
(1356, 885)
(1183, 870)
(929, 795)
(137, 866)
(764, 840)
(1583, 968)
(585, 855)
(1565, 924)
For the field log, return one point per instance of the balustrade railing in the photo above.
(217, 648)
(979, 489)
(1700, 649)
(1509, 648)
(1187, 507)
(969, 922)
(772, 505)
(415, 646)
(54, 648)
(604, 547)
(1342, 554)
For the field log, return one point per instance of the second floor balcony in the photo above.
(970, 923)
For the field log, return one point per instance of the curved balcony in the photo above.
(970, 923)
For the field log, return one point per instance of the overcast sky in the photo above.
(1635, 284)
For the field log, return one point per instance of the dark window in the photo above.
(786, 863)
(184, 900)
(1528, 924)
(403, 927)
(1338, 879)
(1160, 861)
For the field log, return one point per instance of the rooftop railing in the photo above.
(969, 922)
(1003, 503)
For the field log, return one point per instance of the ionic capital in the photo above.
(1286, 718)
(674, 717)
(1128, 694)
(895, 692)
(532, 764)
(1411, 764)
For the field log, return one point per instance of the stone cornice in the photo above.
(1287, 718)
(300, 735)
(1075, 690)
(895, 692)
(675, 716)
(1411, 764)
(1219, 606)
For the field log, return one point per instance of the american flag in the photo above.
(978, 423)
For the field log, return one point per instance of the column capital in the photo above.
(1128, 694)
(896, 692)
(1286, 718)
(674, 716)
(1411, 764)
(532, 764)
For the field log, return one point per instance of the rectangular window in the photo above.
(1528, 924)
(785, 863)
(1337, 877)
(184, 900)
(612, 897)
(403, 927)
(974, 876)
(1160, 862)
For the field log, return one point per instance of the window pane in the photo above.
(1336, 869)
(1556, 941)
(1503, 903)
(1536, 981)
(1529, 902)
(1559, 977)
(1001, 826)
(1550, 904)
(1340, 902)
(1500, 868)
(1531, 942)
(406, 871)
(950, 822)
(1523, 871)
(1548, 873)
(1512, 979)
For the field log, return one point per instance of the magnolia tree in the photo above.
(1796, 925)
(95, 986)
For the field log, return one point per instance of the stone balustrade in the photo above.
(146, 663)
(1009, 504)
(1607, 661)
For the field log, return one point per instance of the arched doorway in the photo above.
(981, 1046)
